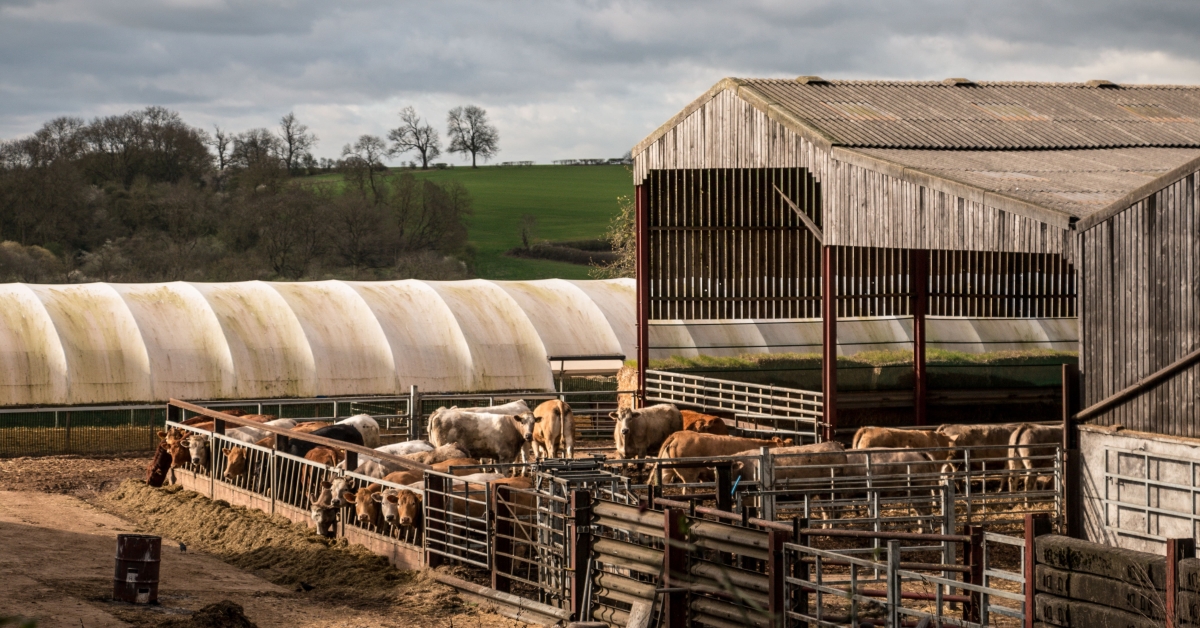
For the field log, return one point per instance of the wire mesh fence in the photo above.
(105, 430)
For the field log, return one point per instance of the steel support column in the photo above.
(918, 269)
(642, 248)
(829, 339)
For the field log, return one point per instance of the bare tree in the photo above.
(470, 132)
(221, 141)
(296, 141)
(412, 135)
(363, 162)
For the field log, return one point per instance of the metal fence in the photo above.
(457, 521)
(767, 410)
(79, 430)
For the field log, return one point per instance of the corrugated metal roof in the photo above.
(1077, 182)
(989, 116)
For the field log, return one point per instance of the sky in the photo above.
(559, 79)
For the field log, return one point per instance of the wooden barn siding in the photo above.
(869, 208)
(1141, 308)
(863, 207)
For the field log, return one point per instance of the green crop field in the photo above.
(570, 203)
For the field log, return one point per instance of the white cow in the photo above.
(366, 426)
(501, 437)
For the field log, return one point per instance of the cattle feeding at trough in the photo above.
(640, 433)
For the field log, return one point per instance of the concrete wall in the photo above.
(1139, 488)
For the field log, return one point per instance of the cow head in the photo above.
(237, 461)
(322, 511)
(524, 423)
(782, 442)
(400, 508)
(339, 487)
(624, 418)
(197, 446)
(366, 509)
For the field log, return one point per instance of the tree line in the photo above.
(144, 196)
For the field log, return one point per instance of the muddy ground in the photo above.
(59, 517)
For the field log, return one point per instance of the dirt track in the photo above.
(57, 538)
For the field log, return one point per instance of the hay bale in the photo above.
(1063, 612)
(1138, 568)
(1139, 600)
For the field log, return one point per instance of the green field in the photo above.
(570, 202)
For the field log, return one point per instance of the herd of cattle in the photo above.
(462, 438)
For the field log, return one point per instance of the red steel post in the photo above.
(918, 269)
(974, 558)
(1177, 550)
(1035, 525)
(829, 338)
(642, 267)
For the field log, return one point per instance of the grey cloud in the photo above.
(563, 77)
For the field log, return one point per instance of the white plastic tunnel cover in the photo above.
(125, 343)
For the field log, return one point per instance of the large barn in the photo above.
(773, 202)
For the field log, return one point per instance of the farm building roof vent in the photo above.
(1101, 83)
(959, 82)
(811, 80)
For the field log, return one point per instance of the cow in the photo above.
(205, 423)
(322, 511)
(445, 452)
(160, 465)
(903, 472)
(1030, 440)
(501, 437)
(986, 445)
(554, 426)
(684, 444)
(797, 465)
(703, 423)
(345, 433)
(406, 448)
(367, 427)
(642, 432)
(366, 507)
(302, 427)
(890, 437)
(405, 509)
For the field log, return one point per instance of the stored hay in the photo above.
(223, 614)
(272, 547)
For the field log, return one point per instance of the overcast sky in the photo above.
(559, 79)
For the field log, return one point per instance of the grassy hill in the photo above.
(570, 202)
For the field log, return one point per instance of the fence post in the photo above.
(974, 559)
(949, 526)
(581, 554)
(777, 602)
(675, 568)
(724, 487)
(1035, 525)
(766, 473)
(435, 507)
(502, 549)
(893, 584)
(1068, 485)
(67, 437)
(1177, 549)
(800, 568)
(414, 413)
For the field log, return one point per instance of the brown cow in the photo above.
(555, 426)
(890, 437)
(641, 432)
(1030, 447)
(322, 511)
(404, 506)
(704, 423)
(987, 445)
(796, 465)
(366, 507)
(684, 444)
(439, 454)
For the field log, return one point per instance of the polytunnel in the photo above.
(94, 344)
